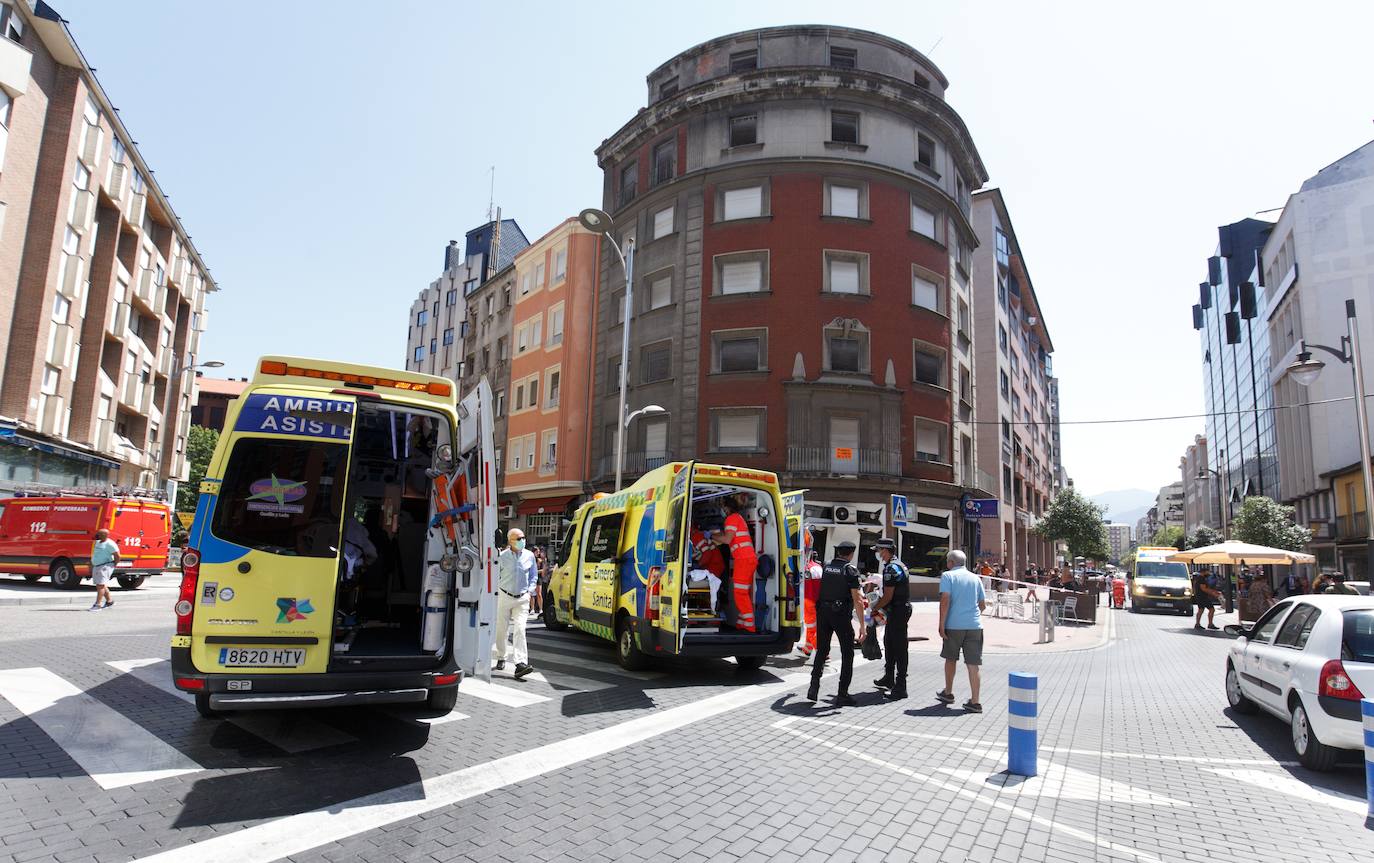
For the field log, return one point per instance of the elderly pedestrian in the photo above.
(517, 573)
(962, 602)
(104, 556)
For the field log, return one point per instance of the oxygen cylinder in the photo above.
(434, 607)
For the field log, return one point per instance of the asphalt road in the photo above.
(1140, 760)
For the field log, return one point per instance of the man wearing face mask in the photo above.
(517, 574)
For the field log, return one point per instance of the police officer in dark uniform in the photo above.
(896, 604)
(835, 608)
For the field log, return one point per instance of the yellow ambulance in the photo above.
(630, 571)
(342, 548)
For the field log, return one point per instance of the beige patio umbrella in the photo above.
(1234, 551)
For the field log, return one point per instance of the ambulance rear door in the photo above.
(677, 560)
(475, 614)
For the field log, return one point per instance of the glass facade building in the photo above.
(1231, 320)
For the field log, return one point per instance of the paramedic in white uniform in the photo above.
(517, 574)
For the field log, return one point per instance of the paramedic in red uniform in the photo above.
(743, 562)
(811, 591)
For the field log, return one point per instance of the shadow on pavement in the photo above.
(1006, 779)
(1270, 734)
(801, 707)
(942, 710)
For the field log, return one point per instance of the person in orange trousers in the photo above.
(743, 562)
(811, 591)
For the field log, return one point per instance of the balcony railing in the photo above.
(863, 462)
(636, 463)
(1353, 526)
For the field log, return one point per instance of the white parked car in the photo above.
(1309, 660)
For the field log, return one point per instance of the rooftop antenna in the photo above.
(936, 45)
(491, 196)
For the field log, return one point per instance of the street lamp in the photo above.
(599, 222)
(1305, 372)
(173, 381)
(1203, 473)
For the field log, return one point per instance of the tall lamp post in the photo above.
(1203, 473)
(173, 384)
(599, 222)
(1305, 370)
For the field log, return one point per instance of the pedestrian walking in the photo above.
(1292, 585)
(537, 589)
(1205, 596)
(836, 607)
(516, 574)
(962, 602)
(1338, 585)
(895, 603)
(104, 556)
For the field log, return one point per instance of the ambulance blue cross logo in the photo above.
(899, 510)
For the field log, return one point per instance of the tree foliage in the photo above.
(200, 446)
(1263, 521)
(1077, 521)
(1169, 537)
(1203, 536)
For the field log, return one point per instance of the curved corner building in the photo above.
(800, 200)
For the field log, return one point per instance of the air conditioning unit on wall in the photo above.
(508, 511)
(844, 515)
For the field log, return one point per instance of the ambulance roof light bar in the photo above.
(281, 369)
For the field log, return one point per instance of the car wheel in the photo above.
(1135, 608)
(1313, 754)
(627, 653)
(64, 575)
(130, 582)
(1234, 696)
(749, 663)
(203, 707)
(551, 620)
(442, 700)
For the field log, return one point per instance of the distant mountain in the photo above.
(1127, 505)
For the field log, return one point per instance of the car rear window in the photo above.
(283, 496)
(1357, 642)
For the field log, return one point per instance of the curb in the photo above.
(14, 593)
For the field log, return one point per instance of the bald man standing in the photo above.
(516, 574)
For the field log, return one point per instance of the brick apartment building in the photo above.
(102, 293)
(800, 198)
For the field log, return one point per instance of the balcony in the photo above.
(91, 139)
(819, 460)
(1353, 526)
(54, 416)
(62, 345)
(138, 205)
(83, 210)
(73, 266)
(15, 61)
(117, 324)
(117, 181)
(636, 463)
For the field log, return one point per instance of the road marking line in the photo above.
(978, 796)
(296, 834)
(1294, 787)
(499, 694)
(112, 750)
(287, 730)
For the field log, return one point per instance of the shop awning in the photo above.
(538, 505)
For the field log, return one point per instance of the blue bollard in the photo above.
(1367, 713)
(1021, 734)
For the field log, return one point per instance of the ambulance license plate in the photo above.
(262, 657)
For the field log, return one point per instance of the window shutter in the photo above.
(844, 276)
(741, 277)
(844, 201)
(925, 293)
(656, 439)
(661, 292)
(743, 203)
(922, 221)
(663, 222)
(928, 440)
(737, 431)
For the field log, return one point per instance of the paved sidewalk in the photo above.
(14, 590)
(1004, 635)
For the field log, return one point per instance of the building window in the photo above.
(629, 183)
(469, 286)
(517, 453)
(744, 130)
(661, 291)
(656, 362)
(550, 462)
(921, 81)
(845, 200)
(433, 346)
(846, 273)
(744, 61)
(925, 291)
(539, 275)
(925, 150)
(555, 326)
(745, 273)
(965, 385)
(745, 202)
(552, 388)
(448, 336)
(930, 440)
(11, 24)
(1002, 338)
(52, 376)
(739, 350)
(451, 298)
(1004, 384)
(655, 442)
(1003, 248)
(663, 223)
(846, 347)
(61, 307)
(923, 221)
(844, 127)
(560, 265)
(737, 429)
(843, 58)
(667, 88)
(963, 321)
(665, 161)
(419, 353)
(929, 365)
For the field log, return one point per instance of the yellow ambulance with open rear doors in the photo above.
(628, 567)
(342, 547)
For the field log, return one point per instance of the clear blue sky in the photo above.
(322, 154)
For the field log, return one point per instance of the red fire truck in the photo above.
(53, 535)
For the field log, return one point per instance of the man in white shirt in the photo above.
(516, 574)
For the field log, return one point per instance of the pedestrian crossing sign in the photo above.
(899, 507)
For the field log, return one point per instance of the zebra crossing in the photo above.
(116, 752)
